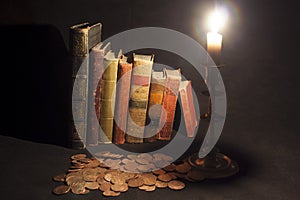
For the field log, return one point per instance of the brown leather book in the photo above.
(96, 69)
(157, 89)
(188, 107)
(122, 100)
(173, 79)
(83, 37)
(139, 92)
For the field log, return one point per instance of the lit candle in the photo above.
(214, 39)
(214, 44)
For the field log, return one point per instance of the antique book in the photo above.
(83, 37)
(157, 88)
(107, 97)
(173, 79)
(122, 100)
(138, 102)
(188, 107)
(96, 69)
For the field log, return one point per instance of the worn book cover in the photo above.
(83, 37)
(122, 100)
(96, 69)
(139, 92)
(157, 89)
(173, 79)
(188, 107)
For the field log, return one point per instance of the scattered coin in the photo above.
(161, 184)
(92, 185)
(149, 179)
(78, 156)
(110, 193)
(135, 182)
(176, 185)
(61, 189)
(119, 187)
(59, 177)
(147, 188)
(105, 186)
(165, 177)
(183, 168)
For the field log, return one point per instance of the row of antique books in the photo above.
(117, 101)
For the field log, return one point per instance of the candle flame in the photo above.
(217, 20)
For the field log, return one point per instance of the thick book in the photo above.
(83, 37)
(173, 79)
(107, 97)
(138, 102)
(96, 69)
(188, 107)
(122, 100)
(157, 88)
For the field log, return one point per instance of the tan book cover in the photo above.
(139, 94)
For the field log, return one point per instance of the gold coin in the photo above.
(101, 180)
(61, 189)
(79, 187)
(176, 185)
(92, 185)
(149, 179)
(119, 187)
(73, 170)
(110, 193)
(159, 171)
(161, 184)
(90, 177)
(93, 164)
(195, 175)
(73, 179)
(147, 188)
(183, 168)
(105, 186)
(78, 156)
(59, 177)
(142, 161)
(118, 179)
(170, 168)
(173, 175)
(144, 168)
(165, 177)
(146, 156)
(136, 182)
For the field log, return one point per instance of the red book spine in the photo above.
(122, 100)
(188, 108)
(173, 79)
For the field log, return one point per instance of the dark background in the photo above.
(261, 52)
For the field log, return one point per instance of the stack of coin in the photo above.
(113, 173)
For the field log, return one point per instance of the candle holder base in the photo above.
(214, 166)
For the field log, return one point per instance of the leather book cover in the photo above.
(122, 100)
(96, 68)
(82, 38)
(107, 97)
(138, 101)
(157, 89)
(188, 107)
(173, 79)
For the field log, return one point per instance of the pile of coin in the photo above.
(113, 173)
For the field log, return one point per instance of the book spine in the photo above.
(139, 92)
(188, 108)
(79, 56)
(96, 67)
(107, 100)
(154, 108)
(122, 100)
(169, 103)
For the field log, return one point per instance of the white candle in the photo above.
(214, 43)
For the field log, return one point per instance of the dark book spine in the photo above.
(79, 52)
(122, 100)
(96, 68)
(82, 38)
